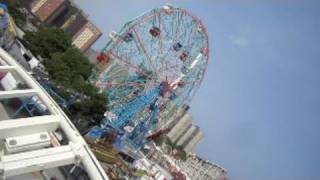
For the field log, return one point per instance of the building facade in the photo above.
(184, 133)
(190, 139)
(66, 15)
(200, 169)
(70, 20)
(48, 10)
(86, 36)
(194, 141)
(180, 126)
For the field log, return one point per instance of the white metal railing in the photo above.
(26, 162)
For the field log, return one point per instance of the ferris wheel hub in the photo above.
(165, 88)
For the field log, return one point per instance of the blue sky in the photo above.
(259, 104)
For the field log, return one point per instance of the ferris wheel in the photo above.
(152, 67)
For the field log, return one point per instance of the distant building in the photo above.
(70, 20)
(66, 15)
(190, 139)
(193, 140)
(200, 169)
(180, 126)
(48, 10)
(184, 133)
(171, 115)
(86, 36)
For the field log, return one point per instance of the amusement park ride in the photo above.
(148, 69)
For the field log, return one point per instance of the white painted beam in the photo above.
(27, 162)
(7, 68)
(18, 93)
(25, 126)
(53, 107)
(89, 161)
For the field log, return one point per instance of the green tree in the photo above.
(71, 69)
(47, 41)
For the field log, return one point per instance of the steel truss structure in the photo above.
(151, 67)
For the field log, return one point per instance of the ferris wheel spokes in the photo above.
(155, 65)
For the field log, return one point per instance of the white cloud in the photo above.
(239, 41)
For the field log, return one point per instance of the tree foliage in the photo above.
(47, 41)
(70, 69)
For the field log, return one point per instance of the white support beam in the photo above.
(29, 81)
(88, 160)
(18, 93)
(25, 126)
(27, 162)
(7, 68)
